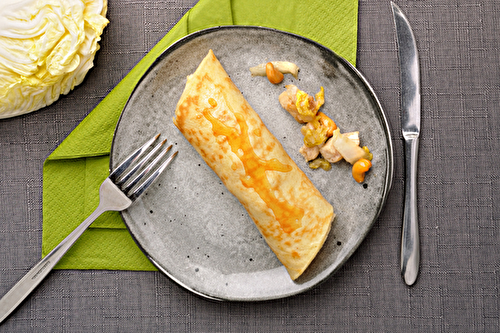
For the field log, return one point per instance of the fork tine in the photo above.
(139, 190)
(132, 158)
(146, 170)
(121, 180)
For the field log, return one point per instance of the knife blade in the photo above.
(410, 127)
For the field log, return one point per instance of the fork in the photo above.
(117, 192)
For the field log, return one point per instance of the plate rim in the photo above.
(383, 121)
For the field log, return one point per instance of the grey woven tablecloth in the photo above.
(458, 188)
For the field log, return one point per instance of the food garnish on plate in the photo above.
(283, 67)
(290, 213)
(46, 49)
(323, 142)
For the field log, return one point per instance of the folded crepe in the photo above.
(288, 210)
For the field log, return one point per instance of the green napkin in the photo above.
(73, 172)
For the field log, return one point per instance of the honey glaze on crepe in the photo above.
(288, 216)
(288, 210)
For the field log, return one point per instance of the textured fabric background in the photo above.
(458, 187)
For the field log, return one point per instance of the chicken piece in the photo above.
(288, 99)
(305, 110)
(331, 154)
(310, 153)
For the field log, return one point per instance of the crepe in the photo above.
(288, 210)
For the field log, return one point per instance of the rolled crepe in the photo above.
(288, 210)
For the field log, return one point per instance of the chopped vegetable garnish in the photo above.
(284, 67)
(314, 133)
(323, 142)
(347, 148)
(306, 105)
(370, 155)
(320, 163)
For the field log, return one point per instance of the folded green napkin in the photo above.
(73, 172)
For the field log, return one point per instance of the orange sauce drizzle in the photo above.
(288, 216)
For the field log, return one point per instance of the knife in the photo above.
(410, 126)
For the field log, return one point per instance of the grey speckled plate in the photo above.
(189, 225)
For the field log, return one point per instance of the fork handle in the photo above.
(32, 279)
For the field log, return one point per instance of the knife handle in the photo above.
(410, 243)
